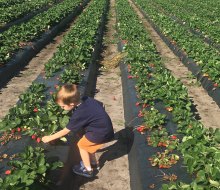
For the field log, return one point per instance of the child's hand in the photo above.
(46, 139)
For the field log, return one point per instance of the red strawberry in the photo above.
(33, 137)
(140, 114)
(145, 105)
(141, 128)
(137, 103)
(18, 129)
(13, 131)
(38, 140)
(215, 85)
(35, 110)
(8, 172)
(130, 77)
(173, 137)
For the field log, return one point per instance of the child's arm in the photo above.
(57, 135)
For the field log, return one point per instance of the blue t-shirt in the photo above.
(91, 116)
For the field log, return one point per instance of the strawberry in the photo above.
(13, 131)
(38, 140)
(8, 172)
(160, 144)
(141, 128)
(130, 77)
(140, 114)
(169, 109)
(137, 104)
(18, 129)
(35, 110)
(173, 137)
(145, 105)
(164, 144)
(215, 85)
(33, 137)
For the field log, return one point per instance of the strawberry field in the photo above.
(172, 149)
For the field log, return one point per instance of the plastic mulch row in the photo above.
(198, 33)
(142, 174)
(188, 62)
(22, 57)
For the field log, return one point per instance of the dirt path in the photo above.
(19, 84)
(114, 173)
(206, 109)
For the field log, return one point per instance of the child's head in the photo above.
(68, 97)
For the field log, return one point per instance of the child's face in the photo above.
(66, 107)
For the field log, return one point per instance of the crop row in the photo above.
(19, 36)
(14, 12)
(204, 55)
(154, 83)
(200, 18)
(77, 48)
(37, 114)
(8, 3)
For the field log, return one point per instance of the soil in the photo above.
(114, 173)
(206, 110)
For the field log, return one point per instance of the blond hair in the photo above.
(68, 94)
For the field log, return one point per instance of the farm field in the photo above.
(155, 66)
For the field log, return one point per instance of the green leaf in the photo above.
(42, 169)
(214, 183)
(201, 176)
(41, 160)
(56, 165)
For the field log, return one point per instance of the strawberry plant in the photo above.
(18, 10)
(199, 144)
(193, 46)
(33, 29)
(72, 75)
(153, 119)
(76, 53)
(28, 171)
(164, 159)
(160, 138)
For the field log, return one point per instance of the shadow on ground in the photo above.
(66, 179)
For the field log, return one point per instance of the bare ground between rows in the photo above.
(9, 95)
(206, 110)
(114, 173)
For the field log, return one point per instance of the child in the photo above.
(87, 114)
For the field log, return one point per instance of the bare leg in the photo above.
(85, 158)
